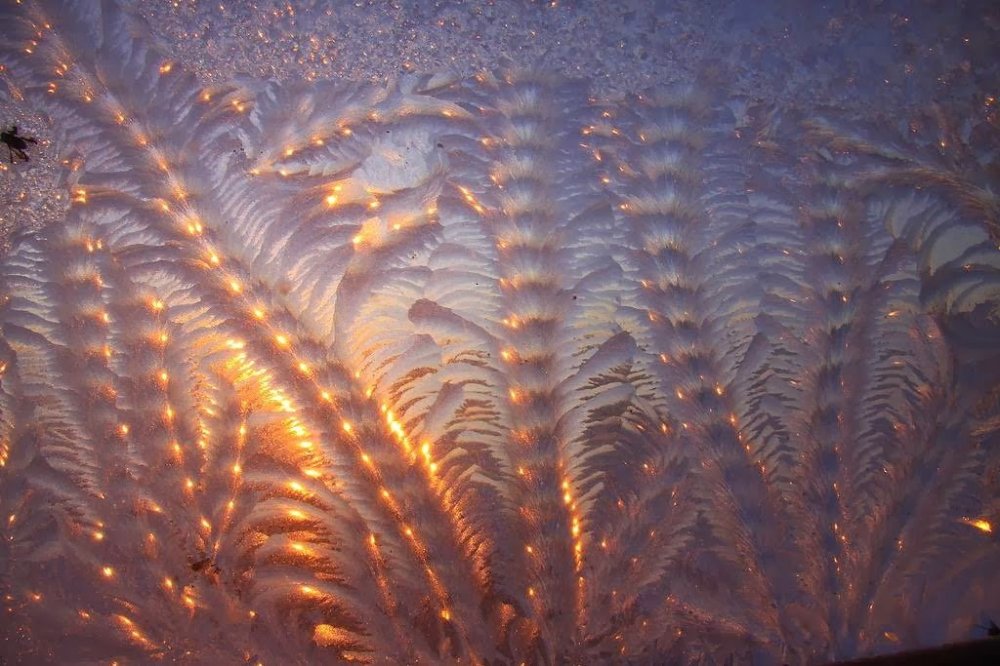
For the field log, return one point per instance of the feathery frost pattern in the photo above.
(484, 371)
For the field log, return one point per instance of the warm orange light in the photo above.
(979, 523)
(282, 340)
(108, 572)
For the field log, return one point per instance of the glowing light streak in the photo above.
(980, 524)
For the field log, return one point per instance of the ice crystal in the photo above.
(484, 371)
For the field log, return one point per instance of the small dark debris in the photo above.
(200, 564)
(16, 143)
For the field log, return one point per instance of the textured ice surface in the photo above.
(484, 370)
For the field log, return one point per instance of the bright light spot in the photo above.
(979, 524)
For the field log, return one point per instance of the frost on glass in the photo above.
(484, 371)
